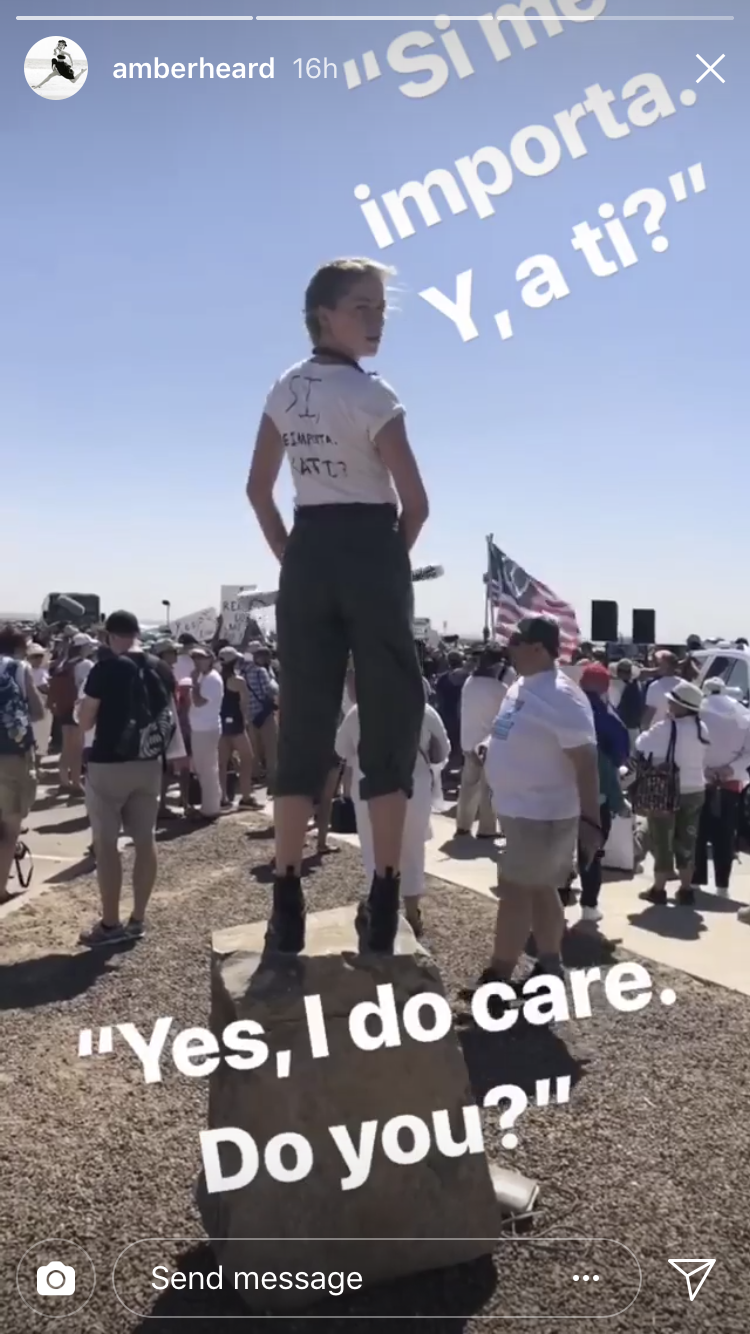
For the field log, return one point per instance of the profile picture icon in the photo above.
(55, 68)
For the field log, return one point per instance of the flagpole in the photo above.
(487, 587)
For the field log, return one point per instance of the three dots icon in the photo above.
(585, 1277)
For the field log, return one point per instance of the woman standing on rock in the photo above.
(345, 586)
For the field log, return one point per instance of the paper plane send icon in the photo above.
(695, 1273)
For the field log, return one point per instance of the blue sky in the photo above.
(158, 237)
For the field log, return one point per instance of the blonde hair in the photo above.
(332, 281)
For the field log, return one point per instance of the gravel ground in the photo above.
(653, 1149)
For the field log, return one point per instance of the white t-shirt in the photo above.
(183, 667)
(527, 769)
(656, 695)
(207, 718)
(80, 672)
(481, 698)
(691, 754)
(347, 744)
(40, 676)
(328, 417)
(728, 724)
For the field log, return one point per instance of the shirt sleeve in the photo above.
(92, 686)
(380, 404)
(575, 726)
(654, 742)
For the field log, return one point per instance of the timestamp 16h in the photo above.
(315, 68)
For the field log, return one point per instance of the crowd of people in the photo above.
(540, 755)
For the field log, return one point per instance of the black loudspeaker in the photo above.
(644, 625)
(604, 621)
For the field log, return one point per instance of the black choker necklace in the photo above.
(341, 357)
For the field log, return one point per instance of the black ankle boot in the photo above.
(286, 928)
(377, 916)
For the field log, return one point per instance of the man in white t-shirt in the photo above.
(657, 703)
(543, 771)
(204, 718)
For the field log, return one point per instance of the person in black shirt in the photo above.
(128, 698)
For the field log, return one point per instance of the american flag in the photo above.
(514, 594)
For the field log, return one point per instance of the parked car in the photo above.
(731, 664)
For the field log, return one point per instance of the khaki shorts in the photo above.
(537, 853)
(123, 798)
(17, 785)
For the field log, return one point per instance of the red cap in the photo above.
(596, 677)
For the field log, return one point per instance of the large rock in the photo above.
(447, 1201)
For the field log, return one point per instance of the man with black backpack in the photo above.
(128, 702)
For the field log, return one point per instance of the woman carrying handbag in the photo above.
(670, 787)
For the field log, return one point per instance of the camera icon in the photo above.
(55, 1280)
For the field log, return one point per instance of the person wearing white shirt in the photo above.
(482, 694)
(184, 665)
(682, 739)
(40, 676)
(727, 765)
(543, 770)
(345, 586)
(434, 751)
(657, 704)
(206, 695)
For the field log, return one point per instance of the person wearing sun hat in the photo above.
(673, 834)
(727, 765)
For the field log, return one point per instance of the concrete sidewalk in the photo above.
(706, 941)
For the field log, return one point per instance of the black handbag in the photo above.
(343, 816)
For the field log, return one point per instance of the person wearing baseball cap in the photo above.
(613, 749)
(543, 771)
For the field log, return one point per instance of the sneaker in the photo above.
(377, 916)
(654, 895)
(744, 916)
(685, 897)
(496, 1006)
(99, 934)
(286, 928)
(135, 929)
(591, 915)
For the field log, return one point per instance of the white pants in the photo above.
(416, 833)
(205, 746)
